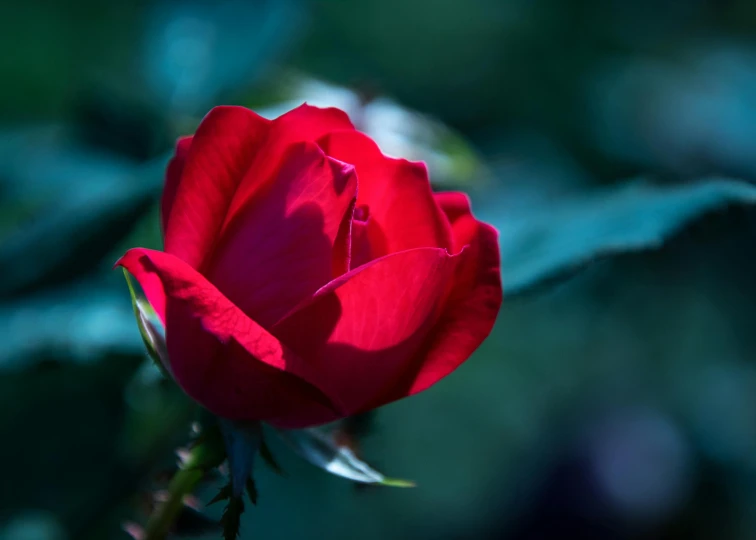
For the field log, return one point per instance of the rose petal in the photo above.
(281, 249)
(341, 257)
(234, 153)
(464, 226)
(454, 204)
(303, 124)
(396, 191)
(221, 357)
(226, 142)
(471, 309)
(362, 330)
(172, 178)
(366, 240)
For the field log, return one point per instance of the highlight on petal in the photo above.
(226, 142)
(281, 247)
(173, 175)
(361, 332)
(219, 356)
(397, 192)
(309, 123)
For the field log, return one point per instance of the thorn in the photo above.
(193, 502)
(134, 530)
(183, 456)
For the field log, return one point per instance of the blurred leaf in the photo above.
(689, 113)
(33, 525)
(112, 118)
(81, 323)
(138, 392)
(319, 448)
(93, 200)
(544, 239)
(198, 51)
(46, 161)
(158, 410)
(400, 132)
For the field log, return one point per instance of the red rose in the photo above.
(306, 276)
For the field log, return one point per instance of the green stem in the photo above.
(161, 521)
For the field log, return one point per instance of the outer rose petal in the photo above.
(172, 178)
(471, 309)
(396, 191)
(222, 149)
(281, 250)
(219, 356)
(361, 331)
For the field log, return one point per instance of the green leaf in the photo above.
(319, 448)
(542, 241)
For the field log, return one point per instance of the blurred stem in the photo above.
(206, 454)
(161, 521)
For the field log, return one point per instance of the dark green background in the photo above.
(614, 402)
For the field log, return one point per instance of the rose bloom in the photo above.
(306, 276)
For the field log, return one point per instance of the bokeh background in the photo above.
(612, 142)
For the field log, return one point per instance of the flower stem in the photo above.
(161, 521)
